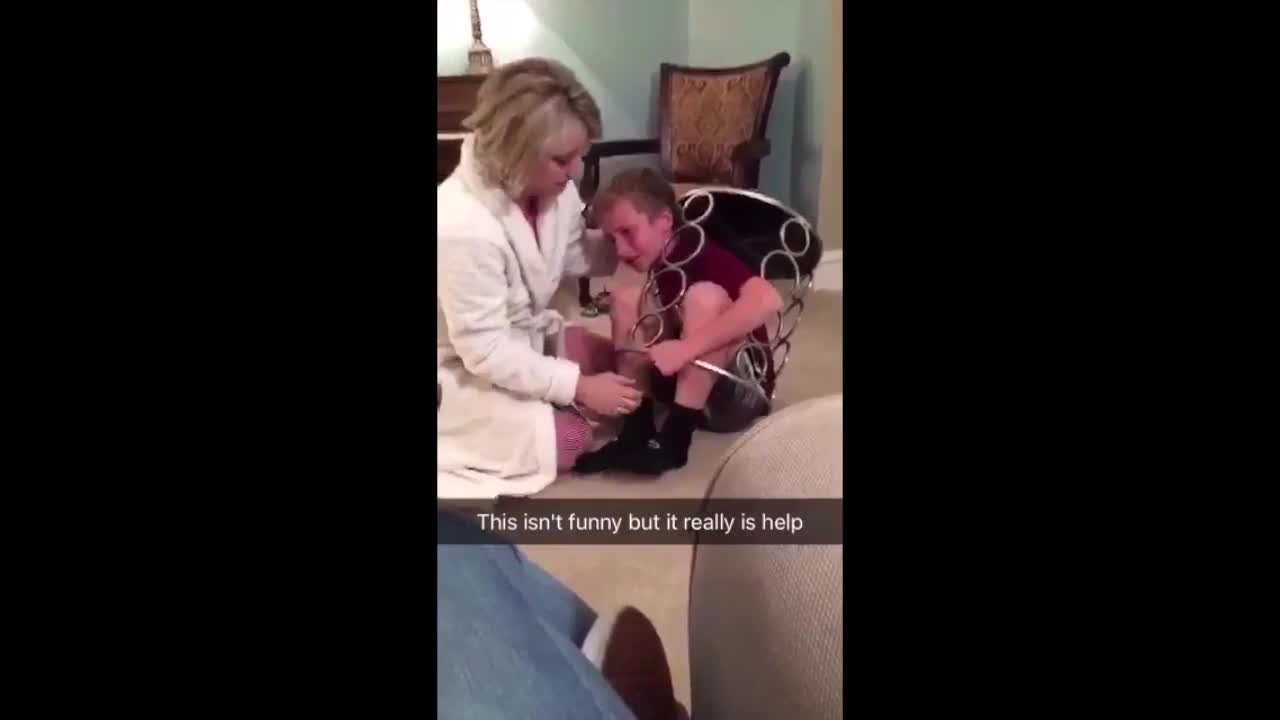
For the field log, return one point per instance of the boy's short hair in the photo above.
(644, 188)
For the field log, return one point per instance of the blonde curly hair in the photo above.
(520, 108)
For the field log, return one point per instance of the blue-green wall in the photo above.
(737, 32)
(615, 46)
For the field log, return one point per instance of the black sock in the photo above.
(677, 432)
(668, 450)
(638, 427)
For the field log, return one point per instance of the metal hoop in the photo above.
(807, 285)
(785, 336)
(744, 368)
(651, 286)
(672, 242)
(662, 329)
(782, 236)
(795, 266)
(755, 355)
(778, 366)
(692, 195)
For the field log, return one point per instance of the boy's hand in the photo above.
(671, 357)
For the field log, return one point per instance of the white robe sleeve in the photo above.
(473, 297)
(590, 252)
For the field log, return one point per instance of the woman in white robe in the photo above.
(509, 228)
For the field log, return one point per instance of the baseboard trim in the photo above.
(830, 272)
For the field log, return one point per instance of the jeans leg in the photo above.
(556, 604)
(507, 637)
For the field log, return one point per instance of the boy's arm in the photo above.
(758, 300)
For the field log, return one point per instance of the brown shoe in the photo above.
(635, 664)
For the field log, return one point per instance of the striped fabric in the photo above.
(573, 437)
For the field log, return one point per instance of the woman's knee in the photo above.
(573, 437)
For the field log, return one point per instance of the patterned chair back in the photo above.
(709, 114)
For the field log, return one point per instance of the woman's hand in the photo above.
(608, 394)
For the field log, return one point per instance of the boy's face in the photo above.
(638, 237)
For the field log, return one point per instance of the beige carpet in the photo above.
(655, 579)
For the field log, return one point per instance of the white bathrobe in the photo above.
(497, 341)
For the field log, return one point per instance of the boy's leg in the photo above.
(703, 304)
(623, 316)
(637, 428)
(593, 353)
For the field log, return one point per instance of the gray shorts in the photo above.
(731, 407)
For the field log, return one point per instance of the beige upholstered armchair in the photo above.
(766, 622)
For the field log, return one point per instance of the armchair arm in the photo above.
(611, 148)
(746, 158)
(789, 595)
(751, 150)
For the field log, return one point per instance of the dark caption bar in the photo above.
(644, 522)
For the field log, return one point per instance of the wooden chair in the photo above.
(712, 125)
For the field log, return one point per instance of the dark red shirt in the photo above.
(713, 264)
(716, 265)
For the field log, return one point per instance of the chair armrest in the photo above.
(751, 150)
(611, 148)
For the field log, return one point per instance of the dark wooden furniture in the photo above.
(455, 99)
